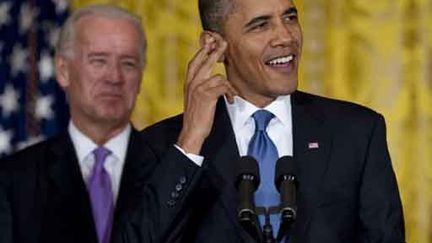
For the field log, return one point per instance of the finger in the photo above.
(197, 61)
(205, 83)
(220, 90)
(207, 67)
(213, 81)
(218, 80)
(213, 89)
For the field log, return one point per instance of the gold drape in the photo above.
(375, 53)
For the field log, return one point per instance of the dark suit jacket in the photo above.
(43, 197)
(347, 191)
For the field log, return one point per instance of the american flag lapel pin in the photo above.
(313, 145)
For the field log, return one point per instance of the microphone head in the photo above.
(284, 168)
(247, 168)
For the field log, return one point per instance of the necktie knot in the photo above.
(262, 119)
(101, 153)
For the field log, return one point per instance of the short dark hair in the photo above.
(213, 13)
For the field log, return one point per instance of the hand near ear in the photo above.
(202, 90)
(212, 38)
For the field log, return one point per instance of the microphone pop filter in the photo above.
(284, 166)
(248, 166)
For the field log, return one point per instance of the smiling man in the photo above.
(346, 187)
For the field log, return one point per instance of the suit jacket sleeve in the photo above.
(5, 211)
(160, 215)
(380, 207)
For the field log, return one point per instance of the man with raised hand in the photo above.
(347, 190)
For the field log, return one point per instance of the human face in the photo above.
(264, 45)
(103, 75)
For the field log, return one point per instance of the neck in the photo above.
(257, 99)
(99, 133)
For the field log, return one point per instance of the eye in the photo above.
(98, 61)
(129, 64)
(259, 26)
(290, 18)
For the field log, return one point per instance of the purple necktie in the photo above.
(101, 196)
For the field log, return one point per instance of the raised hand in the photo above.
(202, 90)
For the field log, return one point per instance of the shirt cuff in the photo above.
(197, 159)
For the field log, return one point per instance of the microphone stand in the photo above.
(249, 222)
(287, 220)
(267, 231)
(288, 216)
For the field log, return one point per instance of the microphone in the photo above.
(247, 181)
(285, 181)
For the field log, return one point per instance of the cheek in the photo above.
(299, 37)
(251, 50)
(131, 89)
(132, 81)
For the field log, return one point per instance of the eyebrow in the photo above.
(257, 20)
(291, 10)
(104, 54)
(97, 54)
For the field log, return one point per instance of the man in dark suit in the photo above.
(347, 190)
(74, 187)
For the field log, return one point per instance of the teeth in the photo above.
(281, 60)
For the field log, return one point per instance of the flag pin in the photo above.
(313, 145)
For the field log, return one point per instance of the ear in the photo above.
(208, 37)
(62, 71)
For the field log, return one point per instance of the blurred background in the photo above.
(376, 53)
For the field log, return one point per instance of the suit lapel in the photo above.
(221, 153)
(70, 197)
(68, 203)
(312, 143)
(137, 169)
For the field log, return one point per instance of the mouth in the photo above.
(107, 95)
(281, 61)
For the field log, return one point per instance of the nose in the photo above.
(115, 74)
(283, 35)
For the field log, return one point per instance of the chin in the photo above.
(286, 89)
(112, 115)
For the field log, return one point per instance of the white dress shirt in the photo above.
(84, 147)
(196, 158)
(279, 129)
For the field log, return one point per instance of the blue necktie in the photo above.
(262, 148)
(101, 196)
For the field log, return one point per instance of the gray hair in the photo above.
(67, 35)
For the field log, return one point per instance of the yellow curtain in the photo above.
(375, 53)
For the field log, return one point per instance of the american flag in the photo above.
(32, 105)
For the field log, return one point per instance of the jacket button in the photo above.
(183, 180)
(171, 203)
(179, 187)
(175, 195)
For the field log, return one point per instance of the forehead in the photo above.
(248, 9)
(106, 30)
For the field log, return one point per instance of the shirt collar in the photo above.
(84, 145)
(281, 108)
(241, 110)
